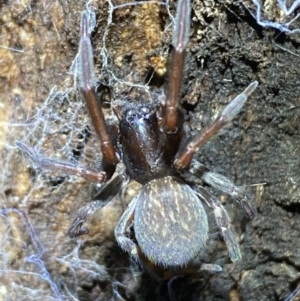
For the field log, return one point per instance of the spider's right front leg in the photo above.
(42, 162)
(87, 80)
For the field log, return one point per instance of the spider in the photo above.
(166, 224)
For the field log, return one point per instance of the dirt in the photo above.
(259, 150)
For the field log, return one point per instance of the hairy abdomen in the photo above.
(170, 222)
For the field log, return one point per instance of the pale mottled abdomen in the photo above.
(170, 222)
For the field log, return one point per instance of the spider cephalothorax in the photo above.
(167, 217)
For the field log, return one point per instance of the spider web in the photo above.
(281, 14)
(38, 261)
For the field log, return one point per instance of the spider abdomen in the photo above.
(170, 222)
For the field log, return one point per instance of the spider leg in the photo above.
(179, 42)
(225, 185)
(237, 192)
(87, 82)
(122, 231)
(185, 157)
(57, 165)
(223, 222)
(107, 192)
(210, 267)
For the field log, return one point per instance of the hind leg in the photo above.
(225, 185)
(223, 221)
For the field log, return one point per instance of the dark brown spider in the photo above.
(167, 217)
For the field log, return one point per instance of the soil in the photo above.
(42, 106)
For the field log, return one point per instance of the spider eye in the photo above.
(140, 112)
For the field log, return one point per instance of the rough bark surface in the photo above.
(228, 49)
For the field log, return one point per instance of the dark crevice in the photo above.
(56, 181)
(234, 16)
(189, 107)
(153, 79)
(83, 138)
(279, 37)
(292, 208)
(253, 64)
(104, 95)
(8, 192)
(294, 291)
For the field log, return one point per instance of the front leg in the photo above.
(184, 156)
(223, 222)
(42, 162)
(122, 231)
(87, 81)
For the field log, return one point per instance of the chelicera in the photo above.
(166, 224)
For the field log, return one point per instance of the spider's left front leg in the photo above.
(185, 156)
